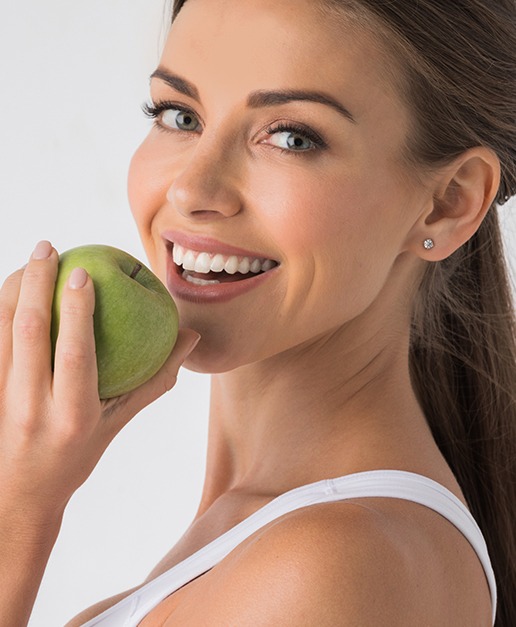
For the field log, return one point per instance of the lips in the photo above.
(202, 269)
(202, 243)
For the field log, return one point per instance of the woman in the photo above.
(318, 192)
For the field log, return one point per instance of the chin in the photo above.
(217, 354)
(204, 365)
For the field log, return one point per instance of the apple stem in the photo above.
(137, 269)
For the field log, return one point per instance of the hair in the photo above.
(458, 76)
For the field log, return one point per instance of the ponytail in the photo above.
(463, 368)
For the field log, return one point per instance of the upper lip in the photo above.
(203, 243)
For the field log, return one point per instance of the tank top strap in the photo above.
(374, 483)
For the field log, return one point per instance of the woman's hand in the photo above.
(53, 427)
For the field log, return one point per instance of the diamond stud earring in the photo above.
(428, 244)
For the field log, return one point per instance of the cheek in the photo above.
(146, 189)
(309, 211)
(143, 187)
(339, 234)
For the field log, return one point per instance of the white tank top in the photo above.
(375, 483)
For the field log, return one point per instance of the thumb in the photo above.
(163, 381)
(187, 340)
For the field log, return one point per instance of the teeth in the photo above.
(217, 263)
(189, 261)
(244, 265)
(203, 262)
(268, 264)
(177, 255)
(231, 265)
(196, 281)
(256, 266)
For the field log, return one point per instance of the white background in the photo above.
(73, 76)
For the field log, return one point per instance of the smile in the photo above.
(203, 270)
(215, 268)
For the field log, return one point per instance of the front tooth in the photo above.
(178, 253)
(217, 263)
(189, 261)
(256, 266)
(231, 265)
(202, 263)
(267, 265)
(244, 265)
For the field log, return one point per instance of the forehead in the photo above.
(242, 45)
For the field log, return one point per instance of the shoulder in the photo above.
(365, 562)
(330, 561)
(318, 565)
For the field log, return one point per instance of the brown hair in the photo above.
(458, 61)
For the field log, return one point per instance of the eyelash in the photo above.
(154, 110)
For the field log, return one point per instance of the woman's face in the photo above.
(312, 181)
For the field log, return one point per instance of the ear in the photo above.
(462, 194)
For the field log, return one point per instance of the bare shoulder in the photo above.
(349, 563)
(323, 563)
(327, 562)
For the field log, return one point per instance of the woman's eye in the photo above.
(291, 141)
(286, 136)
(179, 119)
(294, 138)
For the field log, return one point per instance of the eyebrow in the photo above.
(259, 98)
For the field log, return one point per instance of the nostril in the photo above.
(205, 213)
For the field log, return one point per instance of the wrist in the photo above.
(31, 526)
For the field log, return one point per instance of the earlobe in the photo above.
(463, 194)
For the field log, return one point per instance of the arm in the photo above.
(25, 546)
(53, 427)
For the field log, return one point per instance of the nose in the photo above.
(205, 187)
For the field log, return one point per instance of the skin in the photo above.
(323, 376)
(319, 388)
(53, 428)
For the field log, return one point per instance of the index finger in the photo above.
(75, 363)
(31, 323)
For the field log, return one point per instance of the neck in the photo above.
(340, 403)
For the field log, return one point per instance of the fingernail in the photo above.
(77, 278)
(43, 250)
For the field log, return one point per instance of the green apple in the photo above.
(135, 319)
